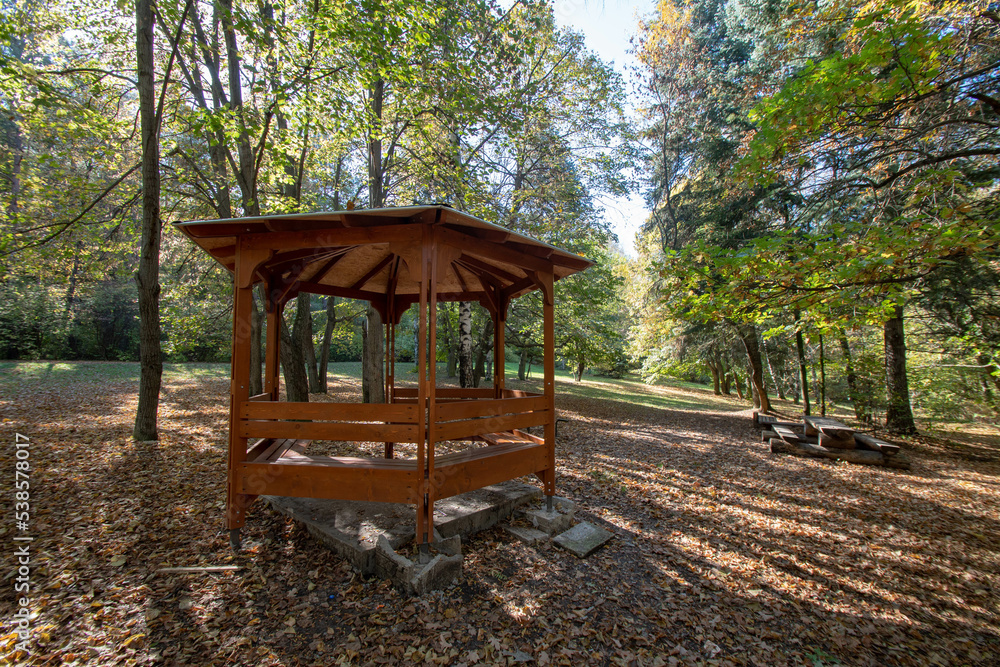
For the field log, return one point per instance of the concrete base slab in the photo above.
(582, 539)
(354, 530)
(529, 536)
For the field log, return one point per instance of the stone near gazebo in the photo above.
(582, 539)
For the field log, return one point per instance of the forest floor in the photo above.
(724, 554)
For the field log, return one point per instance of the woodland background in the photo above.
(822, 181)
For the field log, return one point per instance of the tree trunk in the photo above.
(714, 369)
(989, 382)
(466, 372)
(373, 358)
(522, 362)
(147, 277)
(800, 347)
(774, 377)
(852, 379)
(822, 378)
(373, 340)
(739, 384)
(302, 333)
(578, 373)
(450, 341)
(324, 352)
(748, 334)
(483, 347)
(294, 366)
(898, 415)
(256, 342)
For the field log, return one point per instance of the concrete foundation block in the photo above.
(529, 536)
(549, 522)
(441, 572)
(391, 565)
(582, 539)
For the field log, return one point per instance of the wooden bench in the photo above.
(787, 434)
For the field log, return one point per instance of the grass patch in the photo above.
(673, 395)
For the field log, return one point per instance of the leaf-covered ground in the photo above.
(723, 553)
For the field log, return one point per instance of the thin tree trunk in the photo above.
(147, 277)
(450, 341)
(294, 366)
(739, 384)
(800, 347)
(466, 372)
(774, 377)
(822, 378)
(373, 358)
(748, 334)
(522, 362)
(713, 366)
(898, 414)
(324, 352)
(303, 337)
(373, 342)
(852, 379)
(483, 347)
(256, 342)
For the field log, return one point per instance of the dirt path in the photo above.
(724, 554)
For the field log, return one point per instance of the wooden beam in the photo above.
(346, 292)
(333, 238)
(458, 274)
(494, 271)
(373, 272)
(496, 251)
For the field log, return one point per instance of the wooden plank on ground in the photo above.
(779, 446)
(877, 445)
(788, 435)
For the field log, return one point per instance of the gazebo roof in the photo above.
(356, 253)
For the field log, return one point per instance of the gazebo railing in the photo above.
(329, 421)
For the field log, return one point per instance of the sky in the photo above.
(607, 26)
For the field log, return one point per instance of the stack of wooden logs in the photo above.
(820, 437)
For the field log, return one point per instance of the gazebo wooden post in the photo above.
(247, 259)
(272, 360)
(421, 500)
(390, 365)
(432, 387)
(499, 353)
(549, 342)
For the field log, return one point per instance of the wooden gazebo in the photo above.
(393, 258)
